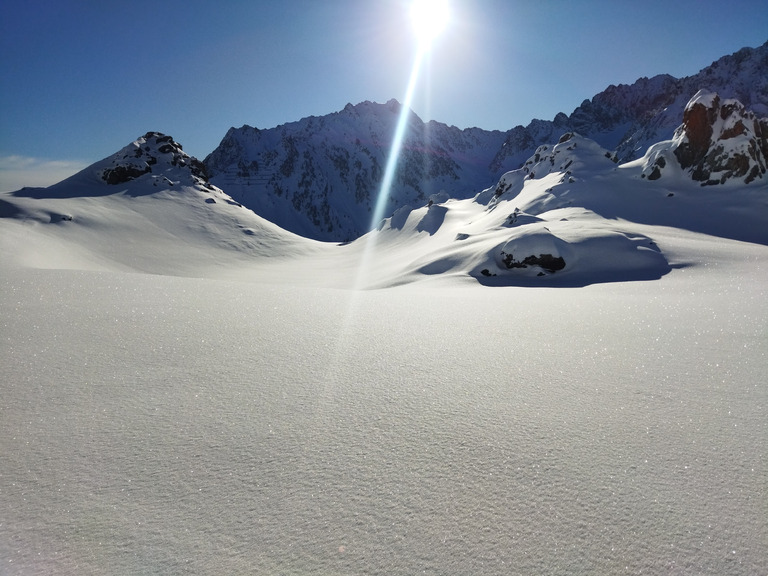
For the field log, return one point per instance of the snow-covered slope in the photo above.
(243, 408)
(571, 216)
(186, 388)
(320, 177)
(162, 425)
(147, 208)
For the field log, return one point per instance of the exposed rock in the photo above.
(698, 118)
(154, 153)
(719, 141)
(548, 262)
(658, 165)
(120, 174)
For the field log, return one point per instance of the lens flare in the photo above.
(429, 17)
(397, 143)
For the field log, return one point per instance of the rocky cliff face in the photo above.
(719, 141)
(320, 177)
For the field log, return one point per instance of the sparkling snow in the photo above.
(187, 389)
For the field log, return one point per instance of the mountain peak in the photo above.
(718, 141)
(320, 176)
(154, 153)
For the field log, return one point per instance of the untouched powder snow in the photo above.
(155, 424)
(189, 389)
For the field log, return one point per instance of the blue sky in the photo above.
(83, 78)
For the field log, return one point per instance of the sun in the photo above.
(429, 17)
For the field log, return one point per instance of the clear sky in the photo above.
(81, 79)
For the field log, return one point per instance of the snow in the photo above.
(704, 98)
(189, 389)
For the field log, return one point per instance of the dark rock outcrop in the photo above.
(548, 262)
(153, 153)
(720, 140)
(698, 119)
(122, 173)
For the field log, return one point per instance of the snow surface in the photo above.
(189, 389)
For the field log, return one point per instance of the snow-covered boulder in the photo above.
(539, 250)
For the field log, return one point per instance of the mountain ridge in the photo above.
(572, 215)
(320, 176)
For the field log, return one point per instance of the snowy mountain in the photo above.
(628, 119)
(571, 215)
(147, 208)
(561, 374)
(319, 177)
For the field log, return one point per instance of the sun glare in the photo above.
(429, 17)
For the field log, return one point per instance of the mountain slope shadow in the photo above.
(432, 220)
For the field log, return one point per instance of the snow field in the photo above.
(182, 425)
(185, 388)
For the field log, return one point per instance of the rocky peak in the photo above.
(320, 177)
(718, 141)
(698, 118)
(572, 151)
(154, 153)
(571, 158)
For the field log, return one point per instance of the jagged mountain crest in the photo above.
(630, 118)
(320, 176)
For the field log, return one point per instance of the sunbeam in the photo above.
(397, 141)
(391, 167)
(428, 17)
